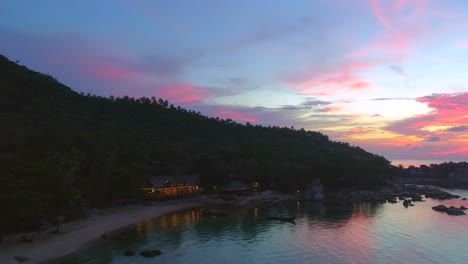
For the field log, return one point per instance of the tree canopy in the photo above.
(61, 151)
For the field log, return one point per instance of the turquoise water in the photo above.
(322, 233)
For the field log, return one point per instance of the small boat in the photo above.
(215, 213)
(281, 218)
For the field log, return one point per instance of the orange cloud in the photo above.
(359, 85)
(333, 108)
(438, 133)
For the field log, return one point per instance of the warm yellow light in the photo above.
(435, 128)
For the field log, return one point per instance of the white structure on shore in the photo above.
(314, 191)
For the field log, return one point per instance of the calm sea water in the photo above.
(323, 233)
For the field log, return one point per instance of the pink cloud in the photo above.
(449, 110)
(115, 72)
(360, 85)
(457, 151)
(376, 7)
(183, 93)
(331, 80)
(392, 46)
(408, 27)
(230, 114)
(391, 14)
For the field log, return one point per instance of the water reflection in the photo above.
(324, 232)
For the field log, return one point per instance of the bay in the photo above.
(322, 233)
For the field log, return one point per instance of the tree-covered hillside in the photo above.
(61, 151)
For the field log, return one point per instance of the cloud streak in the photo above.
(448, 117)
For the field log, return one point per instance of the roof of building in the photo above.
(174, 180)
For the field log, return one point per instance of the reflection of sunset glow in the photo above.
(139, 228)
(162, 223)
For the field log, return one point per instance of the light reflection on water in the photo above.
(323, 233)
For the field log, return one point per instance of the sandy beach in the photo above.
(77, 234)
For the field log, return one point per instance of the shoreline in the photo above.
(76, 235)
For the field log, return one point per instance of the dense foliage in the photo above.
(439, 171)
(61, 151)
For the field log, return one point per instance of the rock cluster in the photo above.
(452, 210)
(389, 193)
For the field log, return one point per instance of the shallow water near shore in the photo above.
(322, 233)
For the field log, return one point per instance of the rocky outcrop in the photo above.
(455, 211)
(314, 191)
(406, 203)
(393, 192)
(150, 253)
(440, 208)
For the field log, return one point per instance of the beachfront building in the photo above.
(174, 186)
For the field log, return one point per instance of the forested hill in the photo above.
(60, 150)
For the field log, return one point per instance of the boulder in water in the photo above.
(440, 208)
(150, 253)
(455, 211)
(406, 203)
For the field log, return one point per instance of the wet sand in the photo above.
(75, 235)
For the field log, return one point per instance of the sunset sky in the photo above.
(388, 76)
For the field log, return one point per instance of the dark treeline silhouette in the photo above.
(446, 170)
(61, 151)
